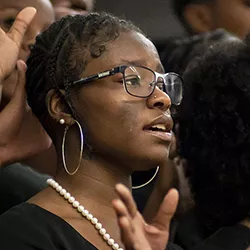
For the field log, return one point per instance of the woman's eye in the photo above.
(9, 21)
(133, 80)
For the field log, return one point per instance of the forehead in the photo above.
(128, 48)
(40, 5)
(85, 4)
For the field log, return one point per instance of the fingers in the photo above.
(125, 195)
(18, 100)
(12, 115)
(166, 211)
(124, 222)
(19, 96)
(21, 24)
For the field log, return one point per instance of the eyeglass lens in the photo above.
(140, 82)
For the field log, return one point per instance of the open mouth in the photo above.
(159, 128)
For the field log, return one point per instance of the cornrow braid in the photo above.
(61, 53)
(53, 60)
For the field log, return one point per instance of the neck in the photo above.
(94, 181)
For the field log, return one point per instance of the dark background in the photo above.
(154, 17)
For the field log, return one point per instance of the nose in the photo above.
(159, 99)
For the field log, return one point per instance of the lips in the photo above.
(161, 127)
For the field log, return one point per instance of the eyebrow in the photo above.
(134, 62)
(159, 67)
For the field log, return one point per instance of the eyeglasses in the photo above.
(141, 81)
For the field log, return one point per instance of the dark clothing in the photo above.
(30, 227)
(18, 183)
(190, 231)
(227, 238)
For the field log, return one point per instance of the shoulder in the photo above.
(18, 183)
(19, 229)
(29, 227)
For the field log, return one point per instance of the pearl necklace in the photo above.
(85, 213)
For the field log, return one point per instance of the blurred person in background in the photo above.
(199, 16)
(177, 55)
(214, 138)
(72, 7)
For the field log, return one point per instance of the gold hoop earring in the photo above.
(63, 149)
(149, 181)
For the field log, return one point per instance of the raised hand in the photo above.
(135, 233)
(11, 41)
(15, 118)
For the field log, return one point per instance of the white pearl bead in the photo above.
(55, 185)
(85, 212)
(52, 181)
(80, 209)
(111, 242)
(71, 199)
(98, 226)
(106, 236)
(59, 188)
(67, 196)
(94, 221)
(115, 246)
(102, 231)
(76, 204)
(89, 216)
(63, 192)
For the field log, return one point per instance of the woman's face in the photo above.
(44, 17)
(118, 125)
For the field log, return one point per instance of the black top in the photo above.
(227, 238)
(30, 227)
(18, 183)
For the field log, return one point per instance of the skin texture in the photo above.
(72, 7)
(116, 150)
(232, 15)
(30, 131)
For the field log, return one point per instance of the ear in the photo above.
(57, 107)
(199, 17)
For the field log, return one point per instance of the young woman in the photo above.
(97, 85)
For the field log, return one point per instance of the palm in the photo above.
(12, 116)
(135, 233)
(11, 41)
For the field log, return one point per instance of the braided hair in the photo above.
(61, 53)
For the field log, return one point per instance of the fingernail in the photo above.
(21, 65)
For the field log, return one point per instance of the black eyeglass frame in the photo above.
(121, 69)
